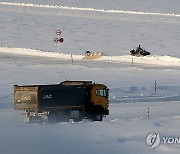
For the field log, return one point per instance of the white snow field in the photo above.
(113, 33)
(28, 55)
(124, 131)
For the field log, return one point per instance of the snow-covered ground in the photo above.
(113, 33)
(124, 131)
(154, 61)
(28, 55)
(127, 82)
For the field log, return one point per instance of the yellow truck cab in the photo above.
(99, 95)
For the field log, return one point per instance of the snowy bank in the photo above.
(155, 60)
(90, 9)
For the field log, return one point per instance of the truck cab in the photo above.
(99, 95)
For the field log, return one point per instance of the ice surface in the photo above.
(124, 131)
(111, 33)
(28, 55)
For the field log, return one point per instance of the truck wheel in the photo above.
(78, 119)
(64, 118)
(52, 118)
(27, 120)
(97, 117)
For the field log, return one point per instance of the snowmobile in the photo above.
(139, 52)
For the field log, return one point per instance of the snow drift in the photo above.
(89, 9)
(154, 60)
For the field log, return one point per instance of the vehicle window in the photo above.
(107, 92)
(103, 92)
(96, 92)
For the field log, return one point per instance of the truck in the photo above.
(76, 100)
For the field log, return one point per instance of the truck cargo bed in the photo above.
(61, 97)
(49, 97)
(26, 97)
